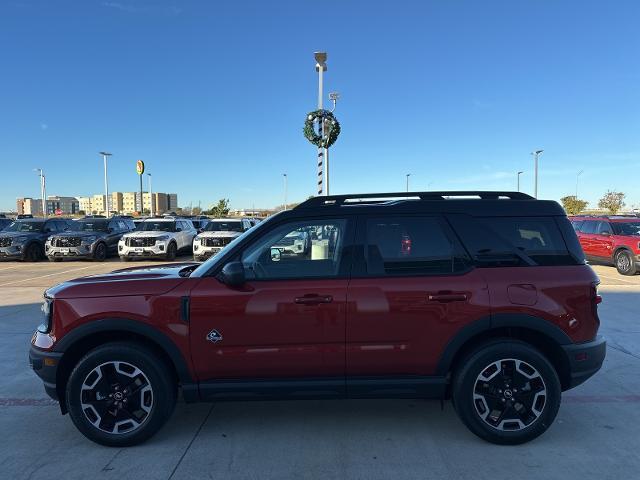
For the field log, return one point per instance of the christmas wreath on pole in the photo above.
(313, 128)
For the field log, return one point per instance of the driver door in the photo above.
(288, 319)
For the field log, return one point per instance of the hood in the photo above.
(221, 234)
(82, 234)
(149, 234)
(20, 234)
(150, 280)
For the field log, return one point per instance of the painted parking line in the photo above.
(9, 268)
(44, 276)
(618, 279)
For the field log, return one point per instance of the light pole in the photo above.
(321, 67)
(150, 195)
(43, 191)
(536, 154)
(518, 177)
(333, 96)
(105, 155)
(577, 179)
(284, 176)
(408, 175)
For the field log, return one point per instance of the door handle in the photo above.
(448, 297)
(314, 299)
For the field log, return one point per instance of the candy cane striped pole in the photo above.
(321, 67)
(320, 170)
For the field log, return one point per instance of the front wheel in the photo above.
(120, 394)
(506, 392)
(172, 251)
(625, 263)
(100, 252)
(33, 253)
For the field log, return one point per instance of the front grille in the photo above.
(67, 241)
(5, 241)
(217, 242)
(140, 242)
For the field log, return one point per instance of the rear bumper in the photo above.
(585, 359)
(45, 365)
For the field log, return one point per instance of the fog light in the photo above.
(161, 248)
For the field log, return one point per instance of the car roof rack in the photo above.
(385, 198)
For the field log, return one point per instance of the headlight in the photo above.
(163, 238)
(47, 313)
(196, 238)
(90, 239)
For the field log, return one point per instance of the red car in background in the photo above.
(610, 240)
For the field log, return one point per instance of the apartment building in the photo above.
(57, 205)
(29, 206)
(85, 204)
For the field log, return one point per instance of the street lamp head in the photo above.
(320, 57)
(521, 171)
(105, 154)
(334, 96)
(537, 152)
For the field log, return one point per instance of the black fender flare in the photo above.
(119, 325)
(498, 321)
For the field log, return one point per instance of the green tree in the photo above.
(221, 209)
(612, 201)
(573, 205)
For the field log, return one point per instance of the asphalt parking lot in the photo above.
(595, 435)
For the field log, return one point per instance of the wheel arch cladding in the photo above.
(85, 338)
(541, 334)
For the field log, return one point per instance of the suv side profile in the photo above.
(611, 241)
(157, 237)
(88, 238)
(481, 297)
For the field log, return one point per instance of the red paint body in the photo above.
(373, 326)
(604, 247)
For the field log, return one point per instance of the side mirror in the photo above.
(275, 254)
(232, 274)
(178, 229)
(605, 233)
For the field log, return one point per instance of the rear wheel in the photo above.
(120, 394)
(55, 259)
(100, 252)
(625, 263)
(506, 392)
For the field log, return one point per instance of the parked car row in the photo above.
(97, 238)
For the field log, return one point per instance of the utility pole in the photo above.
(577, 179)
(321, 67)
(408, 175)
(284, 175)
(43, 191)
(536, 154)
(333, 96)
(151, 209)
(518, 179)
(105, 155)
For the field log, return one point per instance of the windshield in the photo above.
(157, 227)
(203, 269)
(626, 228)
(92, 226)
(222, 226)
(25, 227)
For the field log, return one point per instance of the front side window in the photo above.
(304, 249)
(626, 228)
(404, 246)
(604, 228)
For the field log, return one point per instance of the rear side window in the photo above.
(577, 224)
(515, 241)
(405, 246)
(589, 226)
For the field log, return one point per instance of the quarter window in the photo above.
(309, 249)
(404, 246)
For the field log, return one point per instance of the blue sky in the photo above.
(213, 96)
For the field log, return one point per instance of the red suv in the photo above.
(610, 240)
(482, 297)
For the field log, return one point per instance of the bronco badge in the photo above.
(214, 336)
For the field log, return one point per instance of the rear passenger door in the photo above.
(603, 240)
(412, 290)
(587, 237)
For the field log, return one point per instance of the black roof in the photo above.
(476, 203)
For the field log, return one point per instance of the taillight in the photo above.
(595, 301)
(405, 247)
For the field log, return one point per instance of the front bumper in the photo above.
(585, 359)
(202, 253)
(83, 251)
(157, 250)
(45, 365)
(11, 253)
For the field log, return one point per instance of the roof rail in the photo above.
(373, 198)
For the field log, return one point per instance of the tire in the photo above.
(33, 253)
(511, 409)
(625, 263)
(172, 251)
(120, 365)
(55, 259)
(125, 258)
(100, 252)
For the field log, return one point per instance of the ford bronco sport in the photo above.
(481, 297)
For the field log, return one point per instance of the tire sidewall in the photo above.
(102, 257)
(164, 392)
(473, 365)
(632, 265)
(172, 251)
